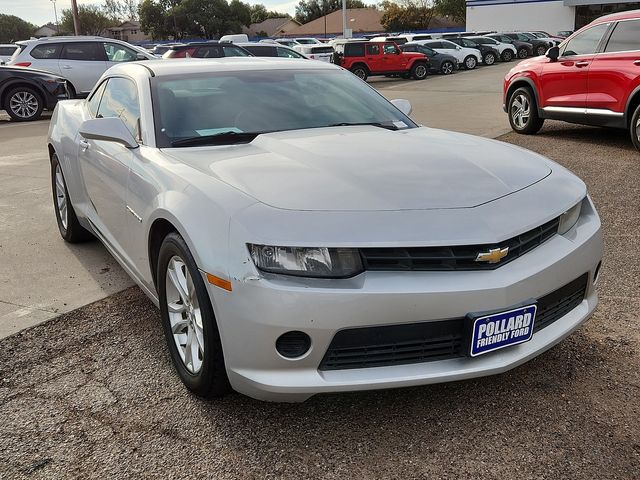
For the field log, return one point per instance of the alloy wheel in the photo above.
(24, 104)
(489, 59)
(520, 111)
(522, 53)
(185, 316)
(447, 68)
(470, 63)
(61, 198)
(638, 128)
(360, 73)
(421, 71)
(507, 55)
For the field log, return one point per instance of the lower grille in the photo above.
(430, 341)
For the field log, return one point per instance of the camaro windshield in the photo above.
(213, 105)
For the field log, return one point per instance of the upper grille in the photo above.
(461, 257)
(428, 341)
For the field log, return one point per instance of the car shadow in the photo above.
(588, 135)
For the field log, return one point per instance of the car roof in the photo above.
(160, 68)
(631, 14)
(198, 44)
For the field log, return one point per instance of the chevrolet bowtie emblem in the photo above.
(492, 256)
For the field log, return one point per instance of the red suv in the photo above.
(591, 78)
(380, 58)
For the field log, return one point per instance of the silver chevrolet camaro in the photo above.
(301, 234)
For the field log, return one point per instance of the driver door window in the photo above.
(120, 100)
(585, 43)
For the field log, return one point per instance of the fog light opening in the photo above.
(293, 344)
(596, 272)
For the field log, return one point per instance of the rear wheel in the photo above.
(447, 67)
(360, 72)
(635, 128)
(489, 59)
(523, 112)
(507, 55)
(419, 71)
(470, 62)
(68, 224)
(23, 104)
(523, 53)
(188, 320)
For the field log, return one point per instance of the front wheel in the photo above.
(447, 67)
(188, 320)
(541, 50)
(419, 71)
(470, 62)
(523, 53)
(68, 224)
(489, 59)
(635, 128)
(507, 55)
(24, 104)
(523, 112)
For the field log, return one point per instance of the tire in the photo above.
(470, 62)
(523, 112)
(68, 224)
(541, 50)
(192, 319)
(360, 71)
(447, 67)
(507, 55)
(72, 91)
(419, 71)
(23, 104)
(634, 128)
(523, 53)
(489, 59)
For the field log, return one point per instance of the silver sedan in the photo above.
(301, 234)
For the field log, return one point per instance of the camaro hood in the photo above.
(369, 168)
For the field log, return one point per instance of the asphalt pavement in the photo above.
(92, 394)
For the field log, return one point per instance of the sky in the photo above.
(40, 12)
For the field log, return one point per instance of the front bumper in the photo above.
(261, 308)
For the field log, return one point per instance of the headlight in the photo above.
(317, 262)
(569, 218)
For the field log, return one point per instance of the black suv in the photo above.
(206, 50)
(25, 92)
(524, 49)
(540, 47)
(489, 54)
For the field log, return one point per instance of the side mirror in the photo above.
(403, 105)
(458, 47)
(140, 56)
(108, 130)
(553, 53)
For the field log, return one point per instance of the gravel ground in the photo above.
(92, 394)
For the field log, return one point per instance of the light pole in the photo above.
(55, 13)
(344, 18)
(76, 20)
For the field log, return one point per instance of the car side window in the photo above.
(94, 100)
(86, 51)
(46, 52)
(390, 49)
(585, 42)
(625, 37)
(233, 51)
(119, 53)
(436, 45)
(373, 50)
(120, 100)
(286, 53)
(210, 51)
(354, 50)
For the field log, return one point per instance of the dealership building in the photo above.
(551, 16)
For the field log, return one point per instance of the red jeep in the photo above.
(380, 58)
(592, 78)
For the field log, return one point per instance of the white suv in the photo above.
(81, 60)
(6, 51)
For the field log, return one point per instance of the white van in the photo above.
(235, 38)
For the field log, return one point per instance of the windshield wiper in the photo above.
(388, 126)
(222, 138)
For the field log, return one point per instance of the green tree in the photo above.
(13, 28)
(121, 9)
(259, 13)
(308, 10)
(454, 9)
(407, 15)
(92, 19)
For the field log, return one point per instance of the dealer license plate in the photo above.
(503, 329)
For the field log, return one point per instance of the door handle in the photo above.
(67, 67)
(637, 62)
(581, 64)
(84, 144)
